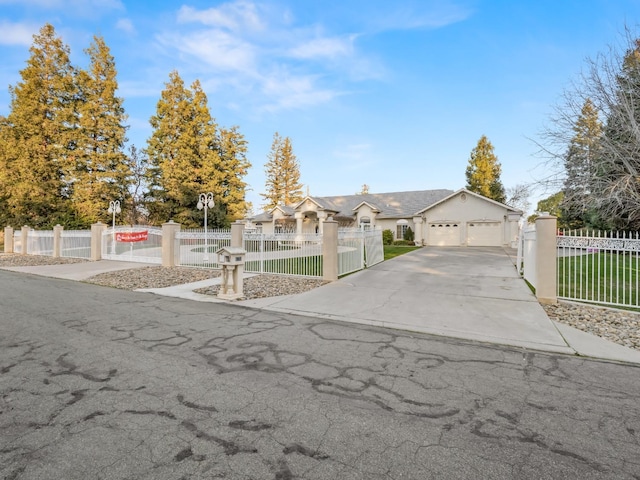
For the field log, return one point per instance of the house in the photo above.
(437, 217)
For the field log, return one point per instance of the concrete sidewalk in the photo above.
(467, 293)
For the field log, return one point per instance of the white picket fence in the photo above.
(358, 249)
(592, 266)
(76, 244)
(599, 267)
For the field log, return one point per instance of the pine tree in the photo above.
(282, 169)
(102, 171)
(39, 136)
(483, 172)
(234, 166)
(580, 167)
(184, 161)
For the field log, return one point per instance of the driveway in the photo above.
(470, 293)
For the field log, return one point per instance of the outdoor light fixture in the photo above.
(205, 200)
(114, 207)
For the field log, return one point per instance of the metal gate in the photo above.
(142, 244)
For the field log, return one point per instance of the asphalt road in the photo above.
(99, 383)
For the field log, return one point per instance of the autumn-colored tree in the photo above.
(188, 156)
(483, 172)
(37, 151)
(102, 172)
(282, 169)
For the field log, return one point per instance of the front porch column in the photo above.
(417, 230)
(322, 216)
(299, 218)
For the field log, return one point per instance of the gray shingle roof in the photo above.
(390, 205)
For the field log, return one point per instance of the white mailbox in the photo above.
(231, 261)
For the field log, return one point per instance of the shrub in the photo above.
(408, 235)
(387, 237)
(404, 242)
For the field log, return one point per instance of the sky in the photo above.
(394, 94)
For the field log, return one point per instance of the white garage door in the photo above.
(484, 234)
(444, 234)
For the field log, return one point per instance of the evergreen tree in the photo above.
(183, 157)
(282, 169)
(39, 138)
(102, 171)
(580, 167)
(483, 172)
(616, 190)
(234, 166)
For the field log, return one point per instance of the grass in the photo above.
(391, 251)
(600, 277)
(292, 266)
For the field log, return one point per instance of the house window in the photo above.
(401, 228)
(365, 223)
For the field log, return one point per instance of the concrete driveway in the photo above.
(471, 293)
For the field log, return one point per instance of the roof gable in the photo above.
(469, 192)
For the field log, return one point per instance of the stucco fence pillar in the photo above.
(8, 240)
(96, 240)
(546, 259)
(24, 239)
(330, 250)
(237, 232)
(57, 241)
(170, 246)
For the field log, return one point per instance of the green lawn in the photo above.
(391, 251)
(291, 266)
(601, 277)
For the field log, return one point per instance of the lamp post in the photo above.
(114, 207)
(205, 200)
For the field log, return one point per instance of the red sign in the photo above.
(132, 236)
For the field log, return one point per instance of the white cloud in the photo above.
(324, 47)
(293, 92)
(419, 14)
(16, 33)
(216, 48)
(126, 25)
(231, 16)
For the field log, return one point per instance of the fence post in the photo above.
(8, 240)
(237, 230)
(546, 259)
(25, 239)
(330, 250)
(170, 254)
(96, 240)
(57, 241)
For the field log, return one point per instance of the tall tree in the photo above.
(580, 166)
(102, 170)
(234, 166)
(185, 159)
(483, 172)
(282, 169)
(39, 136)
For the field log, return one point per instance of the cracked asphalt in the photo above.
(99, 383)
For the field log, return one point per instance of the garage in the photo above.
(444, 234)
(484, 234)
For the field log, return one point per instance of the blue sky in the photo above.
(394, 94)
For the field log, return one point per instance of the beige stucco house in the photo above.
(437, 217)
